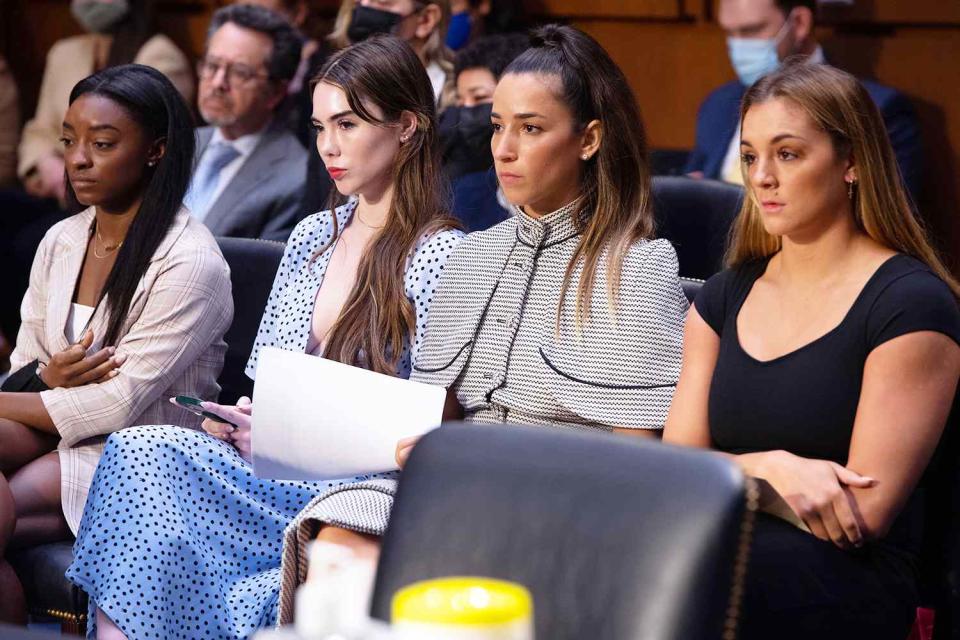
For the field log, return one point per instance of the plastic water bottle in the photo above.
(463, 608)
(334, 601)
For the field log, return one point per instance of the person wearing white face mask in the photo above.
(117, 32)
(761, 34)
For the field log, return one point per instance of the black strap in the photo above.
(25, 379)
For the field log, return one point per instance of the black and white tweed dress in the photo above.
(495, 336)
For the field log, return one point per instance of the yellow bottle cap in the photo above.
(462, 600)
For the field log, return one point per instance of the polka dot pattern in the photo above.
(286, 320)
(179, 539)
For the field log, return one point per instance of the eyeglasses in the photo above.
(236, 73)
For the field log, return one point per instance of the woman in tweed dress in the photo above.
(568, 314)
(128, 303)
(179, 538)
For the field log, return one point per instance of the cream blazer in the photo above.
(71, 60)
(172, 337)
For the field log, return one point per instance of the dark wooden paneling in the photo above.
(613, 9)
(903, 12)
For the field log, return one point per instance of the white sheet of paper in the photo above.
(318, 419)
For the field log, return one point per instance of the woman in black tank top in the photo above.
(824, 360)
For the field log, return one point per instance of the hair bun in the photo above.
(552, 36)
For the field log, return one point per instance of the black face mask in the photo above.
(465, 136)
(367, 21)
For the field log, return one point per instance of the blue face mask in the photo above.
(459, 30)
(753, 58)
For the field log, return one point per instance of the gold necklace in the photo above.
(369, 226)
(107, 249)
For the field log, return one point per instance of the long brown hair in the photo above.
(378, 318)
(615, 209)
(839, 105)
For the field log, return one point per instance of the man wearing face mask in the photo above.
(760, 35)
(465, 130)
(471, 19)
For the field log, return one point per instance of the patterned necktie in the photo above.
(205, 180)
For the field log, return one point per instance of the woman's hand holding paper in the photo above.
(404, 449)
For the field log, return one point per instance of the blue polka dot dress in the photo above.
(179, 539)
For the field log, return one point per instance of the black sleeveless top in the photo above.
(805, 401)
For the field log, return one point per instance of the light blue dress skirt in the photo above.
(180, 540)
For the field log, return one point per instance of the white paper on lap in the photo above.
(318, 419)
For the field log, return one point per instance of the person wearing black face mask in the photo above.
(465, 130)
(368, 21)
(421, 23)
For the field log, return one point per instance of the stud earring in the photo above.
(151, 163)
(585, 156)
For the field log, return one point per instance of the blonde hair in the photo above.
(839, 105)
(338, 37)
(435, 49)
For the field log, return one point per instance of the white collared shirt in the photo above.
(245, 145)
(438, 78)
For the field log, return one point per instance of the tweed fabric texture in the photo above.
(493, 336)
(500, 338)
(364, 507)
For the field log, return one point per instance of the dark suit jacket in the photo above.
(263, 198)
(720, 111)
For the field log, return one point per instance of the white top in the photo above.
(245, 145)
(77, 319)
(438, 78)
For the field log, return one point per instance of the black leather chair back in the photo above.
(616, 537)
(695, 216)
(691, 288)
(253, 265)
(19, 633)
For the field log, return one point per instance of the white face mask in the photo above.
(99, 16)
(753, 58)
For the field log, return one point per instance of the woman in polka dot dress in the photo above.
(179, 539)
